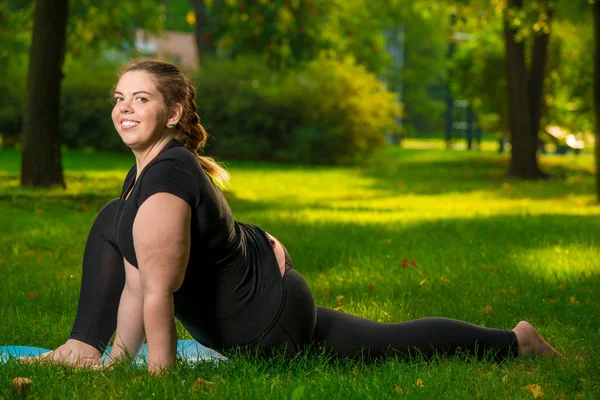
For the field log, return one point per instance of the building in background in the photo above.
(179, 47)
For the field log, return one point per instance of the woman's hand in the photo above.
(73, 353)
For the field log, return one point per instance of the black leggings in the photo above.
(301, 322)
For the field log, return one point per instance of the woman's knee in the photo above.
(105, 220)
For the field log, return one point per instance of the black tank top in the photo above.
(232, 291)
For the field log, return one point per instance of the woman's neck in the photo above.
(143, 157)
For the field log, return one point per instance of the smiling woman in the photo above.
(170, 248)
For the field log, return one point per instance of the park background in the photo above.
(418, 158)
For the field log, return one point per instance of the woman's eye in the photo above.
(118, 99)
(141, 99)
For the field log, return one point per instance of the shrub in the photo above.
(86, 108)
(345, 111)
(325, 111)
(12, 88)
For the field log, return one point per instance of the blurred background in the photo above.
(309, 81)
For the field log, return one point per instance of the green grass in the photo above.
(489, 250)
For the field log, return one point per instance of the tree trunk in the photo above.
(204, 43)
(537, 74)
(41, 162)
(521, 103)
(596, 10)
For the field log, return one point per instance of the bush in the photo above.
(12, 88)
(325, 112)
(85, 108)
(345, 112)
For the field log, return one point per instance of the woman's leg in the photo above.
(102, 282)
(351, 336)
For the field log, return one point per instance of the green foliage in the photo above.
(479, 68)
(176, 14)
(569, 80)
(345, 111)
(326, 111)
(426, 64)
(12, 87)
(16, 23)
(93, 26)
(480, 74)
(86, 108)
(284, 31)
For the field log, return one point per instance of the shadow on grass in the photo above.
(419, 172)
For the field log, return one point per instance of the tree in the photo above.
(204, 38)
(596, 13)
(41, 162)
(89, 28)
(525, 86)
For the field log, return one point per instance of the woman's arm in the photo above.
(161, 237)
(130, 324)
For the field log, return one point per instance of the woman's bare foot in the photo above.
(74, 353)
(531, 343)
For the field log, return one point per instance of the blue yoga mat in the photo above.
(187, 350)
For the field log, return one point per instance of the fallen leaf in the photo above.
(490, 268)
(404, 263)
(398, 389)
(420, 383)
(203, 384)
(562, 287)
(487, 309)
(553, 301)
(21, 384)
(325, 293)
(370, 287)
(33, 295)
(339, 298)
(388, 241)
(573, 301)
(339, 308)
(535, 389)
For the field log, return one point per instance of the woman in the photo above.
(169, 247)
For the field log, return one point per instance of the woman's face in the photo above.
(139, 115)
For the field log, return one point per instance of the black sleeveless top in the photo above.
(232, 291)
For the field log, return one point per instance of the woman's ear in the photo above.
(176, 113)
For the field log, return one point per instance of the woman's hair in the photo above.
(175, 88)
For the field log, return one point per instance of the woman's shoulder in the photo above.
(177, 151)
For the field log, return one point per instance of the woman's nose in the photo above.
(125, 106)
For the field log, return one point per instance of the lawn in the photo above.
(487, 250)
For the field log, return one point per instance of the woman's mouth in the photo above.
(128, 124)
